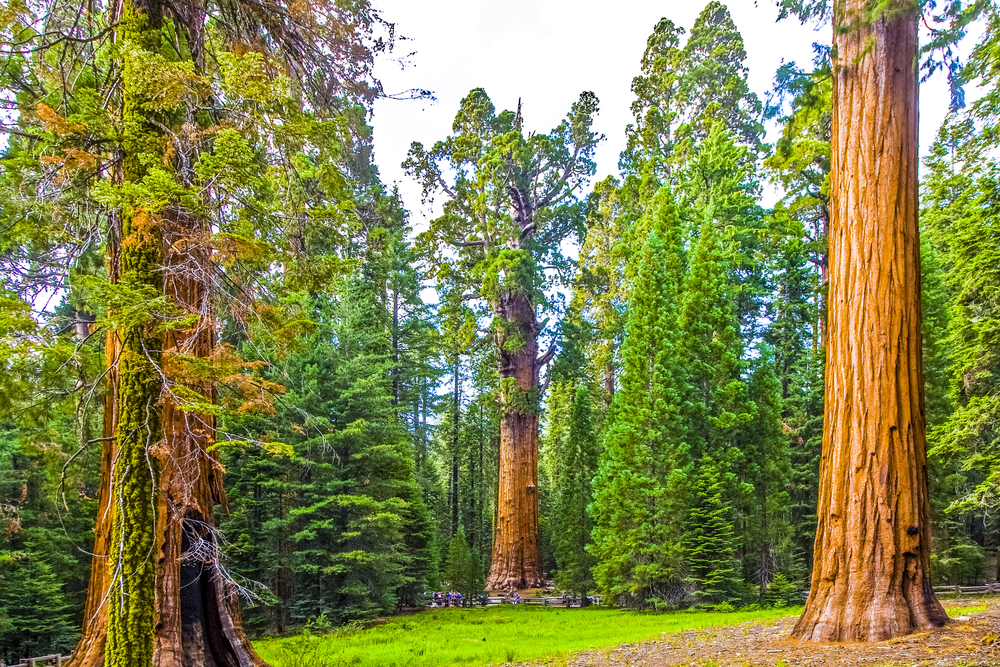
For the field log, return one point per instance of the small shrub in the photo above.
(321, 625)
(723, 608)
(780, 593)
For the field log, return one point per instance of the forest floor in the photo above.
(602, 637)
(962, 643)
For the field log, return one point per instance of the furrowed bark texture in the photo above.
(198, 622)
(516, 561)
(131, 554)
(196, 611)
(157, 595)
(871, 578)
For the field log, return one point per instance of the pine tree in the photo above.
(712, 350)
(38, 618)
(797, 254)
(716, 411)
(719, 180)
(713, 84)
(766, 531)
(464, 569)
(573, 525)
(640, 487)
(964, 453)
(709, 537)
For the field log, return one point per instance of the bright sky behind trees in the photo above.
(548, 51)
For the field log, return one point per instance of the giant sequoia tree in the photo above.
(174, 140)
(871, 577)
(511, 200)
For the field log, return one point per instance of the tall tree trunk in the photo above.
(456, 404)
(157, 595)
(871, 578)
(132, 500)
(193, 611)
(516, 560)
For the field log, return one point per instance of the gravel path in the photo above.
(959, 644)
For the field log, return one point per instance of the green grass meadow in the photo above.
(439, 637)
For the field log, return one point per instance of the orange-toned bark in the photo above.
(516, 561)
(871, 578)
(197, 611)
(90, 649)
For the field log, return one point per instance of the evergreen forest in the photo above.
(240, 379)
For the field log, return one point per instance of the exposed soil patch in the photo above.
(960, 643)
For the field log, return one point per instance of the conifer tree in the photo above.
(713, 86)
(718, 179)
(511, 204)
(572, 530)
(34, 615)
(717, 411)
(641, 482)
(964, 453)
(464, 569)
(352, 533)
(709, 536)
(712, 350)
(766, 532)
(175, 137)
(871, 578)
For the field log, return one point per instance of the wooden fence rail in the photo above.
(966, 590)
(534, 602)
(55, 659)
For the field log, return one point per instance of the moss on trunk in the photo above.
(132, 557)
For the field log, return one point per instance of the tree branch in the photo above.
(547, 357)
(547, 197)
(7, 130)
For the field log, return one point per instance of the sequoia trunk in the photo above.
(871, 578)
(193, 607)
(157, 595)
(516, 561)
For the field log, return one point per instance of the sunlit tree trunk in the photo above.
(871, 578)
(516, 561)
(158, 596)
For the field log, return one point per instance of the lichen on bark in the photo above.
(132, 557)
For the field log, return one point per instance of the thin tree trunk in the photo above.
(516, 560)
(456, 403)
(871, 578)
(395, 347)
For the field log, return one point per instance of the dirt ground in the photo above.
(767, 644)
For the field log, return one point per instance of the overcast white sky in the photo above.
(548, 51)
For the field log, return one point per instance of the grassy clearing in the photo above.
(495, 635)
(966, 606)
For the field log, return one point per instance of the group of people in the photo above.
(446, 599)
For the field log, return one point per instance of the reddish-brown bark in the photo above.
(197, 611)
(871, 578)
(516, 561)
